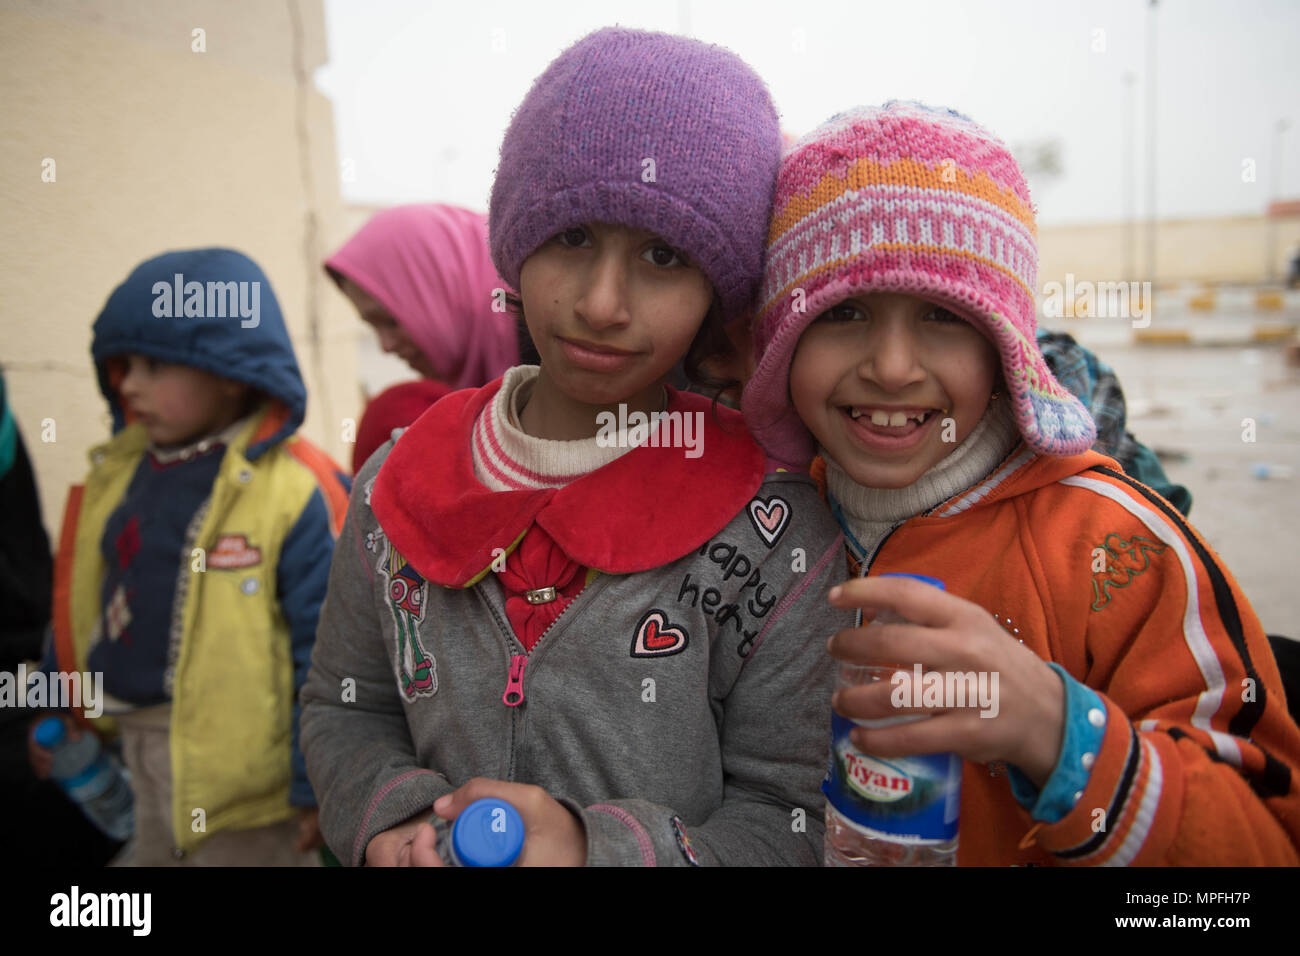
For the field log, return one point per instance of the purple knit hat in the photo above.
(648, 130)
(908, 199)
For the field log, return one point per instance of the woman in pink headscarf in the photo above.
(422, 277)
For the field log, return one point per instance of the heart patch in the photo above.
(655, 637)
(769, 517)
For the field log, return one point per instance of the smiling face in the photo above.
(611, 310)
(877, 378)
(178, 404)
(393, 337)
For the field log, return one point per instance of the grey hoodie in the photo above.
(682, 713)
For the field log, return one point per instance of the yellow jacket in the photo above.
(244, 624)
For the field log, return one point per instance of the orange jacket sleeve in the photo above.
(1200, 761)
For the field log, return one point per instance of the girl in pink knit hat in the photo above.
(1136, 715)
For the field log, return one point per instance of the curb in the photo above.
(1203, 314)
(1108, 333)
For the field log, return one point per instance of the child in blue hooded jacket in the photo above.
(194, 559)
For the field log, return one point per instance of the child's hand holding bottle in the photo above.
(1024, 721)
(41, 758)
(554, 836)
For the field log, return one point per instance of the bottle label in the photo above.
(909, 799)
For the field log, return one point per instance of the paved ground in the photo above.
(1191, 401)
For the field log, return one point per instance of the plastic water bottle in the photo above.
(91, 777)
(888, 811)
(488, 832)
(1263, 471)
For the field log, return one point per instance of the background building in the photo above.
(169, 125)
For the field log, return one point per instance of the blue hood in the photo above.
(220, 315)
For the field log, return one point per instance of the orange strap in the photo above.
(64, 653)
(326, 472)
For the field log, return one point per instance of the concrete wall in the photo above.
(159, 147)
(1231, 249)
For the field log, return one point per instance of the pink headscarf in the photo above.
(430, 268)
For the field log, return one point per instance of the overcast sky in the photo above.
(423, 91)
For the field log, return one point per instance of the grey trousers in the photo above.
(146, 750)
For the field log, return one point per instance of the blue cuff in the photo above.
(1085, 727)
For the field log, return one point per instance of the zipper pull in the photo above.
(514, 695)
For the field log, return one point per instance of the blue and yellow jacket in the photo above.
(257, 560)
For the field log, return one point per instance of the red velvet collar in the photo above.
(649, 507)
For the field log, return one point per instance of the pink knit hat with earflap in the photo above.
(908, 199)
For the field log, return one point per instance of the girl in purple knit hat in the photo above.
(577, 588)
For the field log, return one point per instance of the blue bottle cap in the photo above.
(50, 732)
(488, 832)
(920, 577)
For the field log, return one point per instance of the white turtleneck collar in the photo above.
(871, 512)
(506, 458)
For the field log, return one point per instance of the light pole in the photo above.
(1275, 193)
(1130, 173)
(1151, 143)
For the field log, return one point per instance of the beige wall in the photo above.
(158, 147)
(1231, 249)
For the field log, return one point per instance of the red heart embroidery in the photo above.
(654, 641)
(655, 637)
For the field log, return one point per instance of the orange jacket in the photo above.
(1200, 761)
